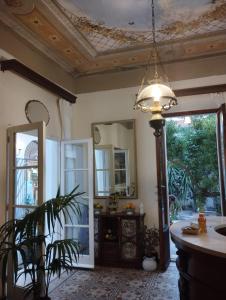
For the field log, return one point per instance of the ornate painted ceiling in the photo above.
(95, 36)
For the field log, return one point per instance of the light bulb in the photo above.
(156, 92)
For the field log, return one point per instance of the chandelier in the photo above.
(156, 97)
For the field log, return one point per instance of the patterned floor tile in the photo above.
(117, 284)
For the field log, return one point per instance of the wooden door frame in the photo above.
(221, 159)
(162, 165)
(162, 188)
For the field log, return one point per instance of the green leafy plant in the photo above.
(192, 161)
(180, 186)
(179, 181)
(34, 253)
(151, 241)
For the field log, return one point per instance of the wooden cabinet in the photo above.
(119, 239)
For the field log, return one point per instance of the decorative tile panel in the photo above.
(128, 228)
(129, 250)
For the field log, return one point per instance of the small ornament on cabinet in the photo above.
(97, 208)
(129, 208)
(113, 203)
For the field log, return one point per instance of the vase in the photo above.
(149, 264)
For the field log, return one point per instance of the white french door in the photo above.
(77, 169)
(25, 190)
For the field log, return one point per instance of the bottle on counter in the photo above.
(202, 223)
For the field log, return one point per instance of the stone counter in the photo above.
(201, 261)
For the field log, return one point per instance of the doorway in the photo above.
(193, 173)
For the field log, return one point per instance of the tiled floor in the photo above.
(173, 251)
(118, 283)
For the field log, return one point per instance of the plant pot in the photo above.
(149, 264)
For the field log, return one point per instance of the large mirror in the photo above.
(115, 159)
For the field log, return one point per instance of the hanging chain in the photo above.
(156, 54)
(154, 38)
(153, 21)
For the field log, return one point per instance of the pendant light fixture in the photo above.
(156, 96)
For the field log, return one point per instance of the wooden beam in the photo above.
(219, 88)
(190, 112)
(17, 67)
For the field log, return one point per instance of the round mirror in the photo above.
(36, 111)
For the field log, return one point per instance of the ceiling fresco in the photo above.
(86, 36)
(120, 24)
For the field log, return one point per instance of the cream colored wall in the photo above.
(14, 93)
(118, 105)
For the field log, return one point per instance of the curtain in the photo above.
(65, 111)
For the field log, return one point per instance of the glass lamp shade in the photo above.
(155, 92)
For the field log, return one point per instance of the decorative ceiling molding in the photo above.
(30, 38)
(38, 24)
(45, 5)
(20, 6)
(84, 46)
(14, 3)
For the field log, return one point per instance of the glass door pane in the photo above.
(26, 186)
(104, 170)
(77, 170)
(26, 169)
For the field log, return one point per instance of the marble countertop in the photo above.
(211, 242)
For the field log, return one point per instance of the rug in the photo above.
(117, 284)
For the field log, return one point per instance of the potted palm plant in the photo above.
(35, 254)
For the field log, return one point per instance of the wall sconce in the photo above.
(156, 97)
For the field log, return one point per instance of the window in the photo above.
(112, 171)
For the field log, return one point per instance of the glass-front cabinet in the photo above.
(119, 239)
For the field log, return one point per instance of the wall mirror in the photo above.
(115, 159)
(36, 111)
